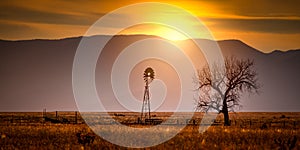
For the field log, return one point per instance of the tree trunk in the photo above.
(226, 118)
(226, 115)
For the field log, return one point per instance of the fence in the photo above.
(35, 118)
(74, 117)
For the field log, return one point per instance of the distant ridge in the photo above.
(38, 73)
(234, 42)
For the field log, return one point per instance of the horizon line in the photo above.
(255, 111)
(106, 35)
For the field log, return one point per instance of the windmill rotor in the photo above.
(149, 75)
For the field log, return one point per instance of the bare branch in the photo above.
(220, 87)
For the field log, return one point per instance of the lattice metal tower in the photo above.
(148, 77)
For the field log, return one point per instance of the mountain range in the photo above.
(37, 74)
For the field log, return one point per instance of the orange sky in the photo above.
(265, 25)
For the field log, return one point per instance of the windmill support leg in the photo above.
(146, 105)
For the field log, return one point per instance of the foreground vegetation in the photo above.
(63, 136)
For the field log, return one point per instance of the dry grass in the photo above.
(63, 136)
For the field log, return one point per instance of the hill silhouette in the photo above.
(38, 73)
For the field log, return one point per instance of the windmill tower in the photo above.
(148, 78)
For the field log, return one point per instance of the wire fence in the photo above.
(74, 117)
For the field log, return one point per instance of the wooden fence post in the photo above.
(75, 117)
(44, 112)
(56, 115)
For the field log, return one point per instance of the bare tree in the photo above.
(220, 87)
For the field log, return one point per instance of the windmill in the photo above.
(148, 78)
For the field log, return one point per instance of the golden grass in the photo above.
(63, 136)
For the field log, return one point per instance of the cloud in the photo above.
(265, 25)
(262, 8)
(16, 13)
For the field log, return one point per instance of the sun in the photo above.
(156, 30)
(170, 34)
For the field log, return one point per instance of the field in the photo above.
(248, 131)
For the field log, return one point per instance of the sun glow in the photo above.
(156, 30)
(170, 34)
(158, 19)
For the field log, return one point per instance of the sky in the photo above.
(266, 25)
(38, 74)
